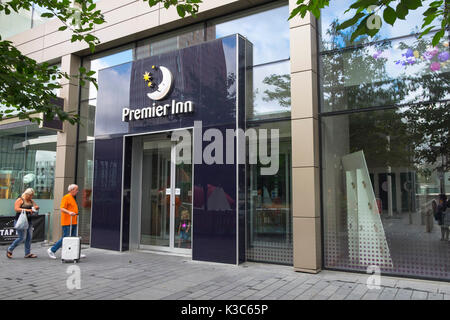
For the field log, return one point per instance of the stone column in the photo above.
(66, 141)
(305, 144)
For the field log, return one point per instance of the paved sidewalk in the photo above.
(142, 275)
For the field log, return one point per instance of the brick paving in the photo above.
(107, 275)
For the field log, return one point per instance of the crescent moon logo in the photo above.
(162, 89)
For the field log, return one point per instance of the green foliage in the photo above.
(312, 6)
(370, 14)
(27, 87)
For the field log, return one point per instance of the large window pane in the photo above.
(14, 23)
(22, 21)
(85, 167)
(101, 61)
(382, 171)
(85, 171)
(267, 30)
(27, 160)
(87, 120)
(389, 73)
(12, 164)
(39, 170)
(269, 217)
(270, 91)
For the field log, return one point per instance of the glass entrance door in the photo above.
(166, 203)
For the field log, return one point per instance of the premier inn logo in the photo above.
(162, 89)
(159, 92)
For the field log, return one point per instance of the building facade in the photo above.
(361, 149)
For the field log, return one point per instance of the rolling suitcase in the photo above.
(71, 247)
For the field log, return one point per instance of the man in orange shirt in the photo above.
(69, 211)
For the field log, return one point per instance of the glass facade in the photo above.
(27, 160)
(385, 123)
(268, 99)
(85, 165)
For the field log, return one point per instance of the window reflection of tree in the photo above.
(418, 133)
(282, 89)
(429, 123)
(352, 78)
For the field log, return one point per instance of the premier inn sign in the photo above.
(157, 111)
(158, 92)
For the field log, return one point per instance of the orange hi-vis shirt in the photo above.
(68, 202)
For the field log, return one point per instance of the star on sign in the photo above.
(147, 76)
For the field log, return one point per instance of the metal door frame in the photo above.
(171, 248)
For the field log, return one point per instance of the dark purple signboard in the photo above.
(208, 85)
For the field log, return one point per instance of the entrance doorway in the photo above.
(165, 218)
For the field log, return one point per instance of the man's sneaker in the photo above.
(51, 254)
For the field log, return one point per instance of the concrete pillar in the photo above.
(66, 141)
(305, 144)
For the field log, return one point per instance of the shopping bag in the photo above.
(22, 222)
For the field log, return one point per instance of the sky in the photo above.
(106, 62)
(268, 32)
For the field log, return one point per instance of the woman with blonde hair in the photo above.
(25, 202)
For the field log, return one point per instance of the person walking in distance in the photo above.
(25, 202)
(69, 213)
(443, 217)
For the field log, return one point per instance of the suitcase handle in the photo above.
(71, 225)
